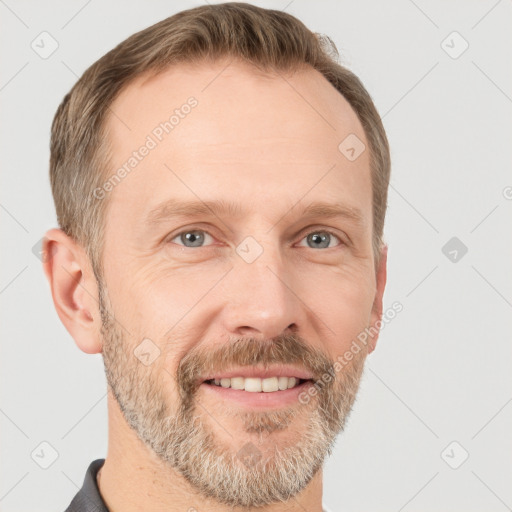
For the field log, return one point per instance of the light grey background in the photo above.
(442, 368)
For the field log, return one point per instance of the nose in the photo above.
(261, 299)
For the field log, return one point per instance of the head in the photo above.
(220, 184)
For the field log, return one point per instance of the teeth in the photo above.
(256, 385)
(291, 382)
(253, 385)
(269, 385)
(237, 382)
(282, 383)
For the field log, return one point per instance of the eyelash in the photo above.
(316, 230)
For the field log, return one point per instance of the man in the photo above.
(221, 185)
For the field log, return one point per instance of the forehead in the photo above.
(236, 99)
(221, 128)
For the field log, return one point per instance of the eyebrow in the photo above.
(218, 208)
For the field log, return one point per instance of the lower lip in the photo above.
(262, 400)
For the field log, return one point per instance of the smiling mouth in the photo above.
(256, 384)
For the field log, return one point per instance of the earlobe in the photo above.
(74, 289)
(377, 309)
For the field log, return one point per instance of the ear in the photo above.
(74, 289)
(376, 315)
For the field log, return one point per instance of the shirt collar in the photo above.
(88, 498)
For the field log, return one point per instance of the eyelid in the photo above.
(303, 233)
(172, 236)
(320, 229)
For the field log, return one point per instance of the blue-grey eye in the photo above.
(192, 238)
(320, 239)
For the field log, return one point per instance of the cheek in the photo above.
(158, 299)
(343, 301)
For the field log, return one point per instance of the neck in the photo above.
(133, 478)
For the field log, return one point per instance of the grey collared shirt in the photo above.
(88, 498)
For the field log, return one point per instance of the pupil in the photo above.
(320, 240)
(192, 237)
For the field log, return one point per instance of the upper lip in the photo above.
(262, 373)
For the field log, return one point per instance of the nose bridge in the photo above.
(261, 302)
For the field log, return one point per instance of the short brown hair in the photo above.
(270, 39)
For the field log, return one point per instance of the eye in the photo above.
(321, 239)
(318, 239)
(191, 238)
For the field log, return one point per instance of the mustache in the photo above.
(284, 349)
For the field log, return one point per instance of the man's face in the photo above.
(254, 293)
